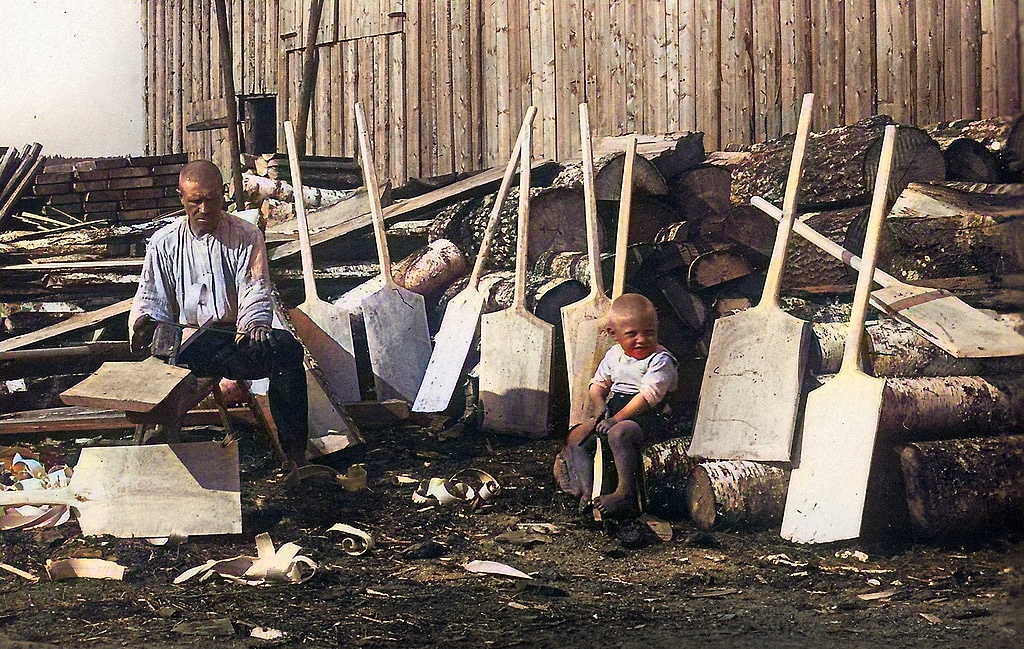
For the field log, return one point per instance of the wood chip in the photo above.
(715, 592)
(21, 573)
(495, 568)
(882, 594)
(84, 569)
(934, 619)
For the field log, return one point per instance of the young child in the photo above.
(628, 389)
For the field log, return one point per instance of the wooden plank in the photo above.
(476, 118)
(633, 66)
(687, 65)
(350, 76)
(443, 99)
(428, 91)
(569, 74)
(989, 78)
(520, 79)
(950, 105)
(396, 110)
(767, 70)
(84, 418)
(709, 90)
(896, 60)
(827, 44)
(796, 58)
(672, 65)
(1007, 54)
(411, 33)
(159, 37)
(656, 64)
(476, 185)
(859, 100)
(737, 72)
(273, 47)
(256, 83)
(929, 66)
(76, 322)
(969, 51)
(495, 91)
(542, 56)
(461, 91)
(148, 88)
(381, 98)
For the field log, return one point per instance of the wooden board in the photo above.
(516, 346)
(131, 386)
(462, 314)
(150, 491)
(751, 392)
(83, 418)
(324, 328)
(938, 315)
(74, 323)
(395, 318)
(828, 485)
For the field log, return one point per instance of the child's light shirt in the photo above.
(653, 377)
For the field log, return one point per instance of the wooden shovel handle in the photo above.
(590, 204)
(823, 243)
(373, 196)
(851, 352)
(506, 185)
(305, 247)
(622, 233)
(60, 496)
(523, 227)
(773, 281)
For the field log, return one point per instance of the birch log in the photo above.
(964, 487)
(736, 494)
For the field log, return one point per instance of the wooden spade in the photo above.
(515, 345)
(324, 328)
(827, 489)
(462, 315)
(751, 392)
(395, 318)
(149, 491)
(584, 323)
(938, 315)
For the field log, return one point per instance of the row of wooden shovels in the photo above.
(752, 405)
(516, 347)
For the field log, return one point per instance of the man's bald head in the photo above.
(201, 188)
(201, 172)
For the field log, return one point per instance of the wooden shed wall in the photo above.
(445, 82)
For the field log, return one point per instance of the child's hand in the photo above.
(606, 425)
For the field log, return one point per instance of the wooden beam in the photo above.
(74, 323)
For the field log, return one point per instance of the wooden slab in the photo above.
(83, 418)
(451, 347)
(515, 383)
(398, 340)
(74, 323)
(131, 386)
(150, 491)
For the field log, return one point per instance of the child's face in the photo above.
(638, 335)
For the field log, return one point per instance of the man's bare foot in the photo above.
(617, 505)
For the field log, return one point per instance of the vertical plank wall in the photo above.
(445, 83)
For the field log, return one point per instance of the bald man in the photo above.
(209, 264)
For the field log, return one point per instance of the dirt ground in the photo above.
(723, 589)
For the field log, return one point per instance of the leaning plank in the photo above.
(74, 323)
(481, 183)
(82, 418)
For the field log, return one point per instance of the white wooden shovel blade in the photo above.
(326, 331)
(751, 393)
(451, 347)
(586, 339)
(515, 372)
(825, 501)
(399, 341)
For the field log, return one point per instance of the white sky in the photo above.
(71, 76)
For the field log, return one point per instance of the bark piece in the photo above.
(970, 161)
(702, 192)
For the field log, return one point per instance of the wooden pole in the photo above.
(230, 100)
(310, 63)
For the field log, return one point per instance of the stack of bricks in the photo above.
(112, 189)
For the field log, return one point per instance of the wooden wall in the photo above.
(445, 82)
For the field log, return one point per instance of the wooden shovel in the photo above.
(515, 345)
(584, 323)
(149, 491)
(395, 318)
(462, 315)
(325, 328)
(751, 392)
(827, 488)
(938, 315)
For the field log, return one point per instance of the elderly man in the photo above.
(212, 265)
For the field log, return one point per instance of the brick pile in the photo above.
(126, 189)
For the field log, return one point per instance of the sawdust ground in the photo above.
(713, 590)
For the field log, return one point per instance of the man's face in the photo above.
(203, 203)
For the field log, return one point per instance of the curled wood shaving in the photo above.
(269, 568)
(355, 541)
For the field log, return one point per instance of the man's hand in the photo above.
(606, 425)
(260, 335)
(142, 333)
